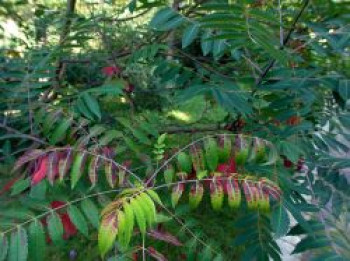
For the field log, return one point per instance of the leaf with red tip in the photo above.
(216, 194)
(233, 192)
(271, 188)
(164, 236)
(122, 172)
(155, 254)
(110, 171)
(107, 232)
(264, 199)
(65, 163)
(198, 159)
(40, 174)
(93, 169)
(177, 193)
(248, 194)
(184, 162)
(225, 148)
(196, 195)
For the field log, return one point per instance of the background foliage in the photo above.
(119, 118)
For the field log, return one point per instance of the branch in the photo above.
(205, 128)
(20, 134)
(125, 19)
(285, 41)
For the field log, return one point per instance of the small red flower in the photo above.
(111, 70)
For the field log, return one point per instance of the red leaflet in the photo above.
(155, 254)
(69, 228)
(111, 70)
(164, 236)
(227, 168)
(8, 185)
(40, 174)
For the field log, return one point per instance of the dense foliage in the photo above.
(174, 130)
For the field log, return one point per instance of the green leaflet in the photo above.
(172, 24)
(3, 247)
(169, 174)
(219, 47)
(107, 232)
(196, 195)
(189, 35)
(217, 198)
(60, 131)
(78, 219)
(206, 45)
(129, 225)
(109, 136)
(311, 243)
(91, 212)
(176, 194)
(162, 16)
(139, 215)
(154, 196)
(37, 244)
(225, 149)
(92, 104)
(81, 106)
(211, 153)
(280, 221)
(184, 162)
(241, 157)
(55, 227)
(18, 245)
(77, 168)
(148, 207)
(20, 186)
(290, 150)
(121, 226)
